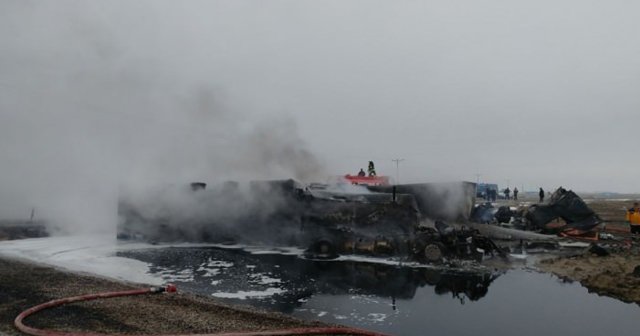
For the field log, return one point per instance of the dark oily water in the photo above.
(393, 299)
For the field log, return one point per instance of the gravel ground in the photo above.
(24, 285)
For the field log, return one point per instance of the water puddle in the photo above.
(394, 299)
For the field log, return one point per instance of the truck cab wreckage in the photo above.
(406, 221)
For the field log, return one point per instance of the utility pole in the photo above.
(477, 181)
(397, 161)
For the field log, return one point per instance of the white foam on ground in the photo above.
(377, 317)
(258, 250)
(96, 254)
(170, 274)
(264, 279)
(374, 260)
(90, 254)
(209, 273)
(574, 244)
(242, 295)
(518, 256)
(212, 268)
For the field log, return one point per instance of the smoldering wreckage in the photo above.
(326, 221)
(409, 222)
(405, 222)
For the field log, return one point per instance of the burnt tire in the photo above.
(433, 253)
(322, 249)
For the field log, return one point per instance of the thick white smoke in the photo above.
(92, 105)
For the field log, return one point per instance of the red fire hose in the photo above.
(169, 288)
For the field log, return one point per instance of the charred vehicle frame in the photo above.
(326, 222)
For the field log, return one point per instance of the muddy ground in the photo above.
(611, 275)
(24, 285)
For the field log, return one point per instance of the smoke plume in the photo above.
(95, 104)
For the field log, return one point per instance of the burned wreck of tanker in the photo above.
(324, 220)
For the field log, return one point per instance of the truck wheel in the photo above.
(433, 253)
(322, 249)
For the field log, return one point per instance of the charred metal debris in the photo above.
(21, 229)
(324, 220)
(565, 214)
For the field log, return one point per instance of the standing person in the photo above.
(633, 217)
(372, 169)
(541, 194)
(515, 193)
(506, 193)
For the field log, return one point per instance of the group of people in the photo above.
(515, 194)
(371, 169)
(492, 194)
(507, 193)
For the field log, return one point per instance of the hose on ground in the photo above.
(169, 288)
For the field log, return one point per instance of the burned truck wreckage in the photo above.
(325, 220)
(565, 214)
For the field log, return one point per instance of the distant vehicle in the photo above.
(483, 188)
(368, 180)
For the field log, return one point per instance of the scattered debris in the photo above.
(565, 214)
(504, 214)
(598, 250)
(483, 213)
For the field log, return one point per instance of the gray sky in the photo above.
(97, 95)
